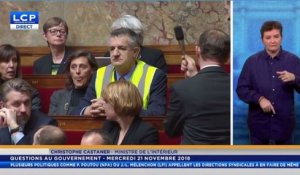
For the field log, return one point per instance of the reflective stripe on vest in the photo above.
(141, 77)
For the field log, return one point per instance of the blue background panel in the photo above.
(248, 16)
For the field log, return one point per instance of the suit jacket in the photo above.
(151, 56)
(156, 103)
(200, 108)
(43, 64)
(60, 102)
(139, 133)
(35, 100)
(36, 120)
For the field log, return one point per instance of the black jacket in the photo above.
(139, 133)
(43, 64)
(200, 108)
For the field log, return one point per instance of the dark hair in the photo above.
(54, 21)
(133, 37)
(16, 84)
(105, 136)
(215, 45)
(270, 25)
(79, 53)
(7, 52)
(50, 135)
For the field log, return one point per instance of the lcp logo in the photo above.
(24, 20)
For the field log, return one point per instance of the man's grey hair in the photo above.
(132, 23)
(16, 84)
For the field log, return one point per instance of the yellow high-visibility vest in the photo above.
(141, 77)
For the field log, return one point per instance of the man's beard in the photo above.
(22, 120)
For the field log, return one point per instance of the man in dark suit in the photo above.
(200, 106)
(153, 57)
(19, 123)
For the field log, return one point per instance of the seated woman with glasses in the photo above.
(55, 33)
(80, 67)
(122, 104)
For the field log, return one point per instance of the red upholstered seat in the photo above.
(74, 138)
(164, 139)
(45, 94)
(227, 68)
(26, 70)
(175, 69)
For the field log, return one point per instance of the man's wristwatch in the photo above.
(16, 129)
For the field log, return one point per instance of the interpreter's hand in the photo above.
(266, 105)
(286, 76)
(96, 108)
(8, 118)
(188, 66)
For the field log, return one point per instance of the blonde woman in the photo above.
(122, 104)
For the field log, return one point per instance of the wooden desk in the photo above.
(82, 123)
(75, 126)
(46, 81)
(47, 84)
(172, 53)
(58, 81)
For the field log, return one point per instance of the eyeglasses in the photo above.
(55, 32)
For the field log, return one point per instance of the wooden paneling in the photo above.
(83, 123)
(172, 52)
(46, 81)
(58, 81)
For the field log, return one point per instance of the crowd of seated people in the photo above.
(132, 87)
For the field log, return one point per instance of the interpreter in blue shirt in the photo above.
(267, 84)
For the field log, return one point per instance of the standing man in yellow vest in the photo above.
(151, 82)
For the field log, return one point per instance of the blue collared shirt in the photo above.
(126, 76)
(259, 78)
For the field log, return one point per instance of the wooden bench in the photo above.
(58, 81)
(172, 55)
(47, 84)
(75, 126)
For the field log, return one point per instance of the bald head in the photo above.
(49, 135)
(95, 137)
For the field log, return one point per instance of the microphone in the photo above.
(180, 38)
